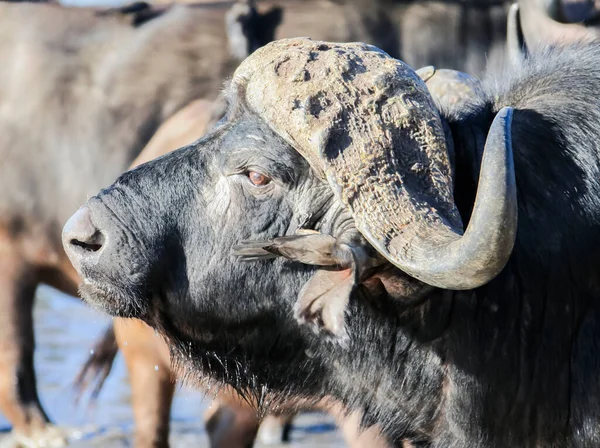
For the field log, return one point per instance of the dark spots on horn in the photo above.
(323, 47)
(384, 82)
(352, 67)
(338, 140)
(316, 104)
(374, 105)
(282, 67)
(302, 75)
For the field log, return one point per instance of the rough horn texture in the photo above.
(367, 123)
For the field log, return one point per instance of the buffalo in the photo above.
(427, 259)
(55, 54)
(86, 89)
(407, 28)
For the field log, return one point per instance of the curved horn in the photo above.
(447, 259)
(540, 29)
(367, 123)
(515, 46)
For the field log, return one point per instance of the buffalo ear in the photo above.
(323, 301)
(391, 283)
(237, 21)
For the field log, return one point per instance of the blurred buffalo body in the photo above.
(463, 35)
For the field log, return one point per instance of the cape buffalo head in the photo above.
(330, 167)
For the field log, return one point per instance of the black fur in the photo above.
(514, 363)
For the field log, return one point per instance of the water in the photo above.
(66, 331)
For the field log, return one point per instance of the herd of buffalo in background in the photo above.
(87, 93)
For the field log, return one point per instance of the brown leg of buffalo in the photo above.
(231, 423)
(152, 384)
(18, 393)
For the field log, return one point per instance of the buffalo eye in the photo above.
(258, 179)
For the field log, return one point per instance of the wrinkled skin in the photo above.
(510, 364)
(230, 422)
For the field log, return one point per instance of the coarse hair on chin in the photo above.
(113, 301)
(211, 371)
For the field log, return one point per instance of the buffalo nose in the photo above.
(81, 238)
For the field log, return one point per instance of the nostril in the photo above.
(93, 244)
(80, 235)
